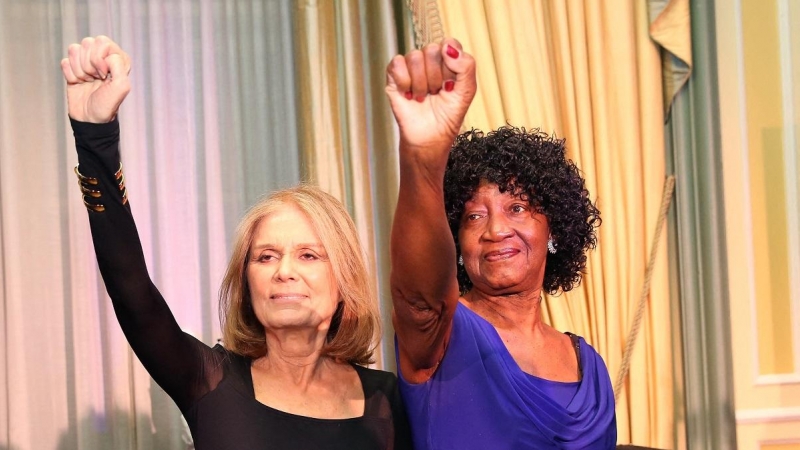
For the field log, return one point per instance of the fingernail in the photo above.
(409, 95)
(421, 98)
(451, 51)
(449, 85)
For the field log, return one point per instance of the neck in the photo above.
(293, 353)
(522, 311)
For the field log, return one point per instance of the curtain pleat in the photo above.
(699, 250)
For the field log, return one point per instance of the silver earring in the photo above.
(551, 246)
(460, 260)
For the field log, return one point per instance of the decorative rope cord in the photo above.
(666, 199)
(427, 23)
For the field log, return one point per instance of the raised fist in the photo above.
(430, 91)
(96, 71)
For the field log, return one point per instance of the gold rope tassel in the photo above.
(666, 199)
(427, 23)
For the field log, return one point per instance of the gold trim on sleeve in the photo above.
(89, 194)
(83, 178)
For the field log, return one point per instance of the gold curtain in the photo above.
(589, 72)
(346, 129)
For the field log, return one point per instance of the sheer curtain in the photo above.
(209, 126)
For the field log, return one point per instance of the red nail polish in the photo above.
(451, 51)
(449, 85)
(409, 95)
(421, 98)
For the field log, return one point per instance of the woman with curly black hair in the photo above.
(486, 223)
(532, 166)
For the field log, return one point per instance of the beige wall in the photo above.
(757, 66)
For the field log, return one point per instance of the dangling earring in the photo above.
(551, 246)
(460, 260)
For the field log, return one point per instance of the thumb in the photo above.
(118, 66)
(462, 65)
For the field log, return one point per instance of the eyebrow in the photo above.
(270, 246)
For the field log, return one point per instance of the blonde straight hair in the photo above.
(355, 325)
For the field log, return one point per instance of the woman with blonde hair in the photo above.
(296, 304)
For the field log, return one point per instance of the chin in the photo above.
(505, 281)
(505, 286)
(293, 319)
(495, 287)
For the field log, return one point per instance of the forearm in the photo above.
(116, 240)
(423, 252)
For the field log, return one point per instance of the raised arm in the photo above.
(430, 92)
(96, 72)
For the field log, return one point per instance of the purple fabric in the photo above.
(561, 393)
(479, 398)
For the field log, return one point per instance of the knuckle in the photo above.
(395, 64)
(414, 58)
(432, 49)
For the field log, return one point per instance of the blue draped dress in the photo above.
(479, 398)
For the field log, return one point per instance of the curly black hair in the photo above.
(534, 166)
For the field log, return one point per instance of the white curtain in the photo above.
(209, 126)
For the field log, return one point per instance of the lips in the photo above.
(287, 296)
(501, 254)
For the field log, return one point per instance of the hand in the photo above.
(96, 71)
(430, 92)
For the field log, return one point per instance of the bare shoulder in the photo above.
(556, 359)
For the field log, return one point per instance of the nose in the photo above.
(286, 269)
(497, 228)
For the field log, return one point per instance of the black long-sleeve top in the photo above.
(212, 387)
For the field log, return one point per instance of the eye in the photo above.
(266, 257)
(309, 256)
(518, 208)
(472, 216)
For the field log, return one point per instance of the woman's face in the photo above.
(503, 242)
(291, 278)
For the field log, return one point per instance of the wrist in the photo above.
(82, 128)
(432, 148)
(423, 162)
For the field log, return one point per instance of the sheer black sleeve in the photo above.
(183, 366)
